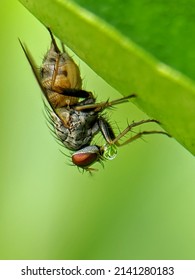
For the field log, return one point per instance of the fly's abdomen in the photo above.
(58, 73)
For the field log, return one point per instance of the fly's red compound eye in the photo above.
(86, 156)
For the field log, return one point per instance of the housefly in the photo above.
(74, 113)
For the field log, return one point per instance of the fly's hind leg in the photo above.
(53, 41)
(99, 107)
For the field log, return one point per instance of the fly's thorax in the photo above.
(59, 73)
(64, 117)
(60, 129)
(76, 120)
(75, 128)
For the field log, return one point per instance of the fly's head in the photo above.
(89, 155)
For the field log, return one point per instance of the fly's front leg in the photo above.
(109, 150)
(139, 134)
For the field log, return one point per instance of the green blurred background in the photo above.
(140, 206)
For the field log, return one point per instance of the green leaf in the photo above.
(163, 27)
(162, 92)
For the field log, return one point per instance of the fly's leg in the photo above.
(109, 150)
(96, 107)
(53, 41)
(138, 135)
(80, 93)
(55, 72)
(90, 154)
(99, 107)
(63, 47)
(57, 50)
(106, 130)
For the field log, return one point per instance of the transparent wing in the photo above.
(34, 68)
